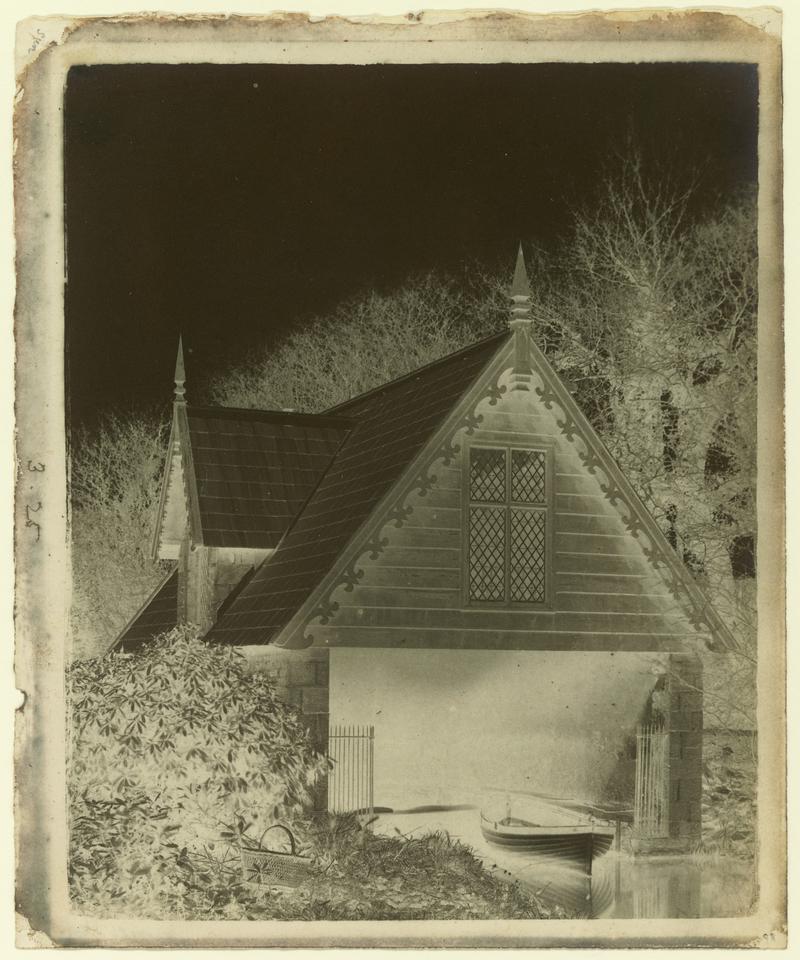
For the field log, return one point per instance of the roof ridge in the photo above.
(254, 413)
(499, 335)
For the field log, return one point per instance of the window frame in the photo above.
(547, 507)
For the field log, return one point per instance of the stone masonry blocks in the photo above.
(686, 746)
(301, 677)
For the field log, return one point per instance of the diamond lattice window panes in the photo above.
(507, 525)
(487, 553)
(527, 476)
(487, 475)
(526, 567)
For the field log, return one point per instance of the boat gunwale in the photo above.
(536, 830)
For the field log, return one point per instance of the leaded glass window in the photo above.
(487, 475)
(527, 476)
(487, 553)
(507, 525)
(526, 568)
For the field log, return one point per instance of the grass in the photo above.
(364, 876)
(356, 875)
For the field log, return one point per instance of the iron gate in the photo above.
(651, 800)
(350, 782)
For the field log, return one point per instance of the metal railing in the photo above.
(350, 782)
(651, 799)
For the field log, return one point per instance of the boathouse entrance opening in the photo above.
(452, 725)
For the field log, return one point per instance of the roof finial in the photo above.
(520, 287)
(520, 323)
(180, 374)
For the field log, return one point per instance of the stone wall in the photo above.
(302, 678)
(686, 748)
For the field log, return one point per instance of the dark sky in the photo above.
(229, 202)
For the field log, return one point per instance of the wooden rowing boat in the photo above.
(576, 843)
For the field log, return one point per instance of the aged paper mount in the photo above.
(43, 567)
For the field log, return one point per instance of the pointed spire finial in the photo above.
(520, 286)
(521, 322)
(180, 374)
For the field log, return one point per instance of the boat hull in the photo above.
(575, 844)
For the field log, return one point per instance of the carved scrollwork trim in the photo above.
(496, 392)
(472, 421)
(399, 514)
(547, 395)
(590, 460)
(654, 557)
(375, 546)
(698, 614)
(568, 427)
(699, 619)
(448, 452)
(351, 576)
(424, 482)
(633, 524)
(325, 610)
(614, 495)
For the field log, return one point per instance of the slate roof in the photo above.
(158, 614)
(253, 470)
(392, 424)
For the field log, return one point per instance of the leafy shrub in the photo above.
(171, 750)
(178, 756)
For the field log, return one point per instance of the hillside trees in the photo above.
(651, 313)
(114, 490)
(365, 342)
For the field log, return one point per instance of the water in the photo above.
(620, 886)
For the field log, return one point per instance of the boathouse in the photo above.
(464, 521)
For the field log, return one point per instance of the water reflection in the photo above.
(620, 886)
(657, 888)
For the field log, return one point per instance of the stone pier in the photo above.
(681, 706)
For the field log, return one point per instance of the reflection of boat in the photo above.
(571, 889)
(578, 843)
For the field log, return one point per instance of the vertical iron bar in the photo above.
(636, 817)
(335, 773)
(332, 774)
(350, 762)
(651, 789)
(647, 779)
(644, 780)
(371, 771)
(657, 786)
(340, 771)
(654, 780)
(653, 762)
(654, 785)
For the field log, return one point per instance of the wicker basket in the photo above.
(273, 867)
